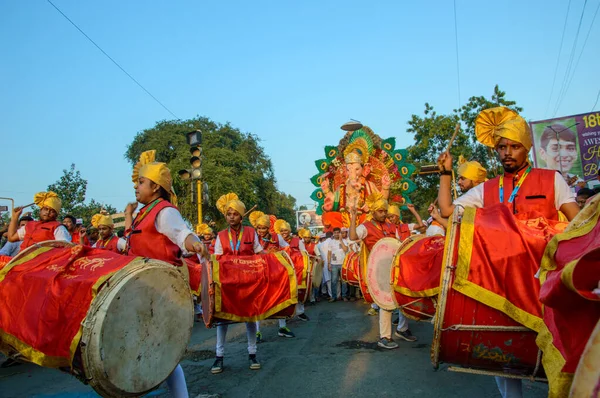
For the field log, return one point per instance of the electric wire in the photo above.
(580, 53)
(113, 61)
(562, 38)
(561, 93)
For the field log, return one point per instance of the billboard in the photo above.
(308, 219)
(569, 144)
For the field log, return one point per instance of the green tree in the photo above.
(232, 162)
(71, 188)
(432, 132)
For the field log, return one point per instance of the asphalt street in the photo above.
(333, 355)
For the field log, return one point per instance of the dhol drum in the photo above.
(362, 274)
(248, 288)
(301, 262)
(119, 323)
(415, 276)
(379, 265)
(470, 332)
(350, 269)
(317, 272)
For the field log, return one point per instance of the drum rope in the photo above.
(414, 310)
(489, 327)
(490, 373)
(538, 362)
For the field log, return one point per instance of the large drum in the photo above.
(350, 269)
(316, 272)
(248, 288)
(415, 276)
(301, 263)
(362, 274)
(119, 323)
(379, 265)
(492, 277)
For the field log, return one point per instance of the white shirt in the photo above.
(170, 223)
(321, 248)
(433, 230)
(257, 247)
(337, 253)
(60, 233)
(562, 195)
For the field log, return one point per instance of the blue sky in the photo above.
(290, 72)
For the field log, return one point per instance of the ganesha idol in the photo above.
(362, 164)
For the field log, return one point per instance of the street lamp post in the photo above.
(194, 174)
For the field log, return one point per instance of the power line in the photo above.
(113, 61)
(580, 54)
(561, 93)
(457, 63)
(562, 38)
(596, 103)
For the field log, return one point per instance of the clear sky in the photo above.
(289, 72)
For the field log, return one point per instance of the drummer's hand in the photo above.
(16, 212)
(82, 233)
(130, 208)
(445, 160)
(200, 248)
(411, 207)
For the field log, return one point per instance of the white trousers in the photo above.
(509, 388)
(385, 324)
(299, 308)
(222, 336)
(176, 383)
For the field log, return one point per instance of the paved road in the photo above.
(333, 355)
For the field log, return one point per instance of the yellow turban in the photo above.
(203, 229)
(102, 219)
(281, 224)
(47, 199)
(231, 201)
(304, 233)
(495, 123)
(156, 172)
(259, 219)
(376, 201)
(471, 170)
(393, 209)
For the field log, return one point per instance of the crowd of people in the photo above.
(159, 231)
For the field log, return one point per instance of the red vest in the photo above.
(39, 231)
(403, 231)
(75, 238)
(110, 244)
(310, 248)
(536, 193)
(246, 247)
(377, 231)
(146, 241)
(294, 243)
(210, 246)
(269, 245)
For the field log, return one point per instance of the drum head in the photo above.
(137, 329)
(317, 274)
(207, 299)
(379, 266)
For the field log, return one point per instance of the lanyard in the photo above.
(379, 228)
(239, 239)
(103, 244)
(143, 214)
(515, 189)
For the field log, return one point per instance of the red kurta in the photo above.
(377, 231)
(536, 192)
(109, 244)
(75, 238)
(403, 231)
(310, 248)
(294, 243)
(39, 231)
(146, 241)
(246, 247)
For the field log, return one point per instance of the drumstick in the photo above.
(250, 211)
(26, 206)
(456, 129)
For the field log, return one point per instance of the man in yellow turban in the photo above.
(38, 231)
(207, 235)
(522, 188)
(237, 240)
(404, 230)
(107, 239)
(470, 174)
(369, 233)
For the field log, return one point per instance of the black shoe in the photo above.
(395, 321)
(254, 364)
(406, 335)
(303, 317)
(217, 367)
